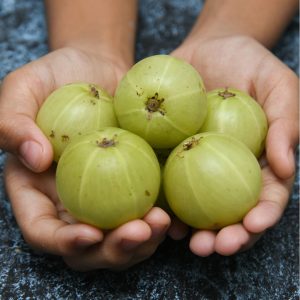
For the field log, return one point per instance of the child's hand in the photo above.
(24, 90)
(47, 227)
(43, 222)
(243, 63)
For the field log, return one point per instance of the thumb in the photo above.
(277, 90)
(19, 133)
(280, 147)
(20, 136)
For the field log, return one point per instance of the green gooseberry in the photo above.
(236, 113)
(108, 177)
(73, 110)
(211, 180)
(162, 99)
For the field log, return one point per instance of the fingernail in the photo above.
(30, 154)
(129, 245)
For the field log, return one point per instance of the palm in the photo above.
(33, 196)
(24, 90)
(71, 65)
(244, 64)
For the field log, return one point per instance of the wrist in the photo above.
(123, 57)
(256, 19)
(93, 26)
(193, 42)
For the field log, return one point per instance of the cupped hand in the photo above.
(47, 227)
(24, 90)
(44, 223)
(241, 62)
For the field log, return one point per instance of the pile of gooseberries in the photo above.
(161, 140)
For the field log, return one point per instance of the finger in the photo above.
(115, 251)
(38, 219)
(127, 245)
(178, 230)
(280, 147)
(232, 239)
(273, 201)
(202, 242)
(277, 91)
(19, 104)
(251, 242)
(43, 182)
(159, 222)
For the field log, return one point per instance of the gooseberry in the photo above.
(74, 109)
(108, 177)
(236, 113)
(211, 180)
(162, 99)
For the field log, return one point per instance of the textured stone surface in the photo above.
(268, 271)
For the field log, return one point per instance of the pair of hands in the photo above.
(46, 226)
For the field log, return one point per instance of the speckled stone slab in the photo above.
(268, 271)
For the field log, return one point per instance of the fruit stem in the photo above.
(226, 94)
(190, 144)
(94, 92)
(153, 103)
(105, 143)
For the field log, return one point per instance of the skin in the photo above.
(86, 51)
(91, 50)
(248, 65)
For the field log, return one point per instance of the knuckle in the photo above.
(11, 133)
(37, 239)
(117, 259)
(12, 79)
(33, 241)
(5, 126)
(290, 80)
(114, 257)
(147, 251)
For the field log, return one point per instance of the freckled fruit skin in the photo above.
(213, 183)
(108, 177)
(162, 99)
(236, 113)
(72, 110)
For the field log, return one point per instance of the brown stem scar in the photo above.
(105, 142)
(226, 94)
(153, 104)
(94, 92)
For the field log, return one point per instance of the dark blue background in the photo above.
(268, 271)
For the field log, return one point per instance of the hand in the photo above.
(47, 227)
(243, 63)
(24, 90)
(42, 220)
